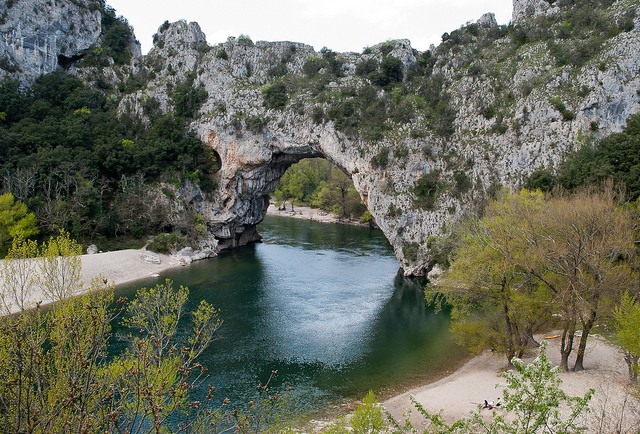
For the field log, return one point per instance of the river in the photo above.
(325, 307)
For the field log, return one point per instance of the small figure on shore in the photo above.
(491, 404)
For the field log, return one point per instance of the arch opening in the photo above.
(320, 184)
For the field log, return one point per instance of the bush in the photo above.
(381, 159)
(167, 243)
(275, 95)
(426, 189)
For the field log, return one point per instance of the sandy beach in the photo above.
(460, 393)
(307, 213)
(118, 267)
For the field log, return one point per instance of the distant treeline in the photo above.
(318, 183)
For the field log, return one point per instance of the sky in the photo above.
(341, 25)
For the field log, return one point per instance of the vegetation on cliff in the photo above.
(82, 166)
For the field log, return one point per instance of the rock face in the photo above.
(36, 34)
(523, 9)
(544, 111)
(513, 108)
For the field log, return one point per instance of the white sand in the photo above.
(307, 213)
(460, 393)
(125, 266)
(118, 267)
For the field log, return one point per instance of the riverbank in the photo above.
(117, 267)
(308, 213)
(460, 393)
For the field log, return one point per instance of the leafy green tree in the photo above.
(57, 375)
(15, 220)
(17, 276)
(627, 323)
(495, 303)
(59, 267)
(581, 247)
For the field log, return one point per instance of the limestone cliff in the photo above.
(515, 108)
(38, 36)
(425, 136)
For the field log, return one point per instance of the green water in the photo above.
(325, 307)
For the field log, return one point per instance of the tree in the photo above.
(15, 220)
(58, 376)
(581, 250)
(495, 303)
(60, 267)
(368, 418)
(528, 259)
(627, 323)
(17, 276)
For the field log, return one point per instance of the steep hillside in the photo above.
(426, 136)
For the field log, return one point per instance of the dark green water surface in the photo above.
(323, 305)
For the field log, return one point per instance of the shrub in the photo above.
(222, 54)
(463, 183)
(381, 159)
(275, 95)
(426, 189)
(567, 115)
(166, 243)
(245, 39)
(255, 124)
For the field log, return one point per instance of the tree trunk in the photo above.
(632, 364)
(586, 329)
(566, 346)
(529, 341)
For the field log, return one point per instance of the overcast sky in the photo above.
(341, 25)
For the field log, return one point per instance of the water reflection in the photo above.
(323, 305)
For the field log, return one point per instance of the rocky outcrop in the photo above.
(541, 112)
(36, 34)
(523, 9)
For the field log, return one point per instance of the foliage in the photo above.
(616, 156)
(166, 243)
(426, 189)
(17, 276)
(245, 39)
(381, 159)
(275, 95)
(71, 157)
(117, 38)
(63, 352)
(582, 249)
(541, 179)
(187, 98)
(60, 267)
(567, 115)
(368, 418)
(627, 323)
(15, 221)
(533, 403)
(316, 182)
(528, 260)
(495, 304)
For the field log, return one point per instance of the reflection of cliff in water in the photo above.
(409, 343)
